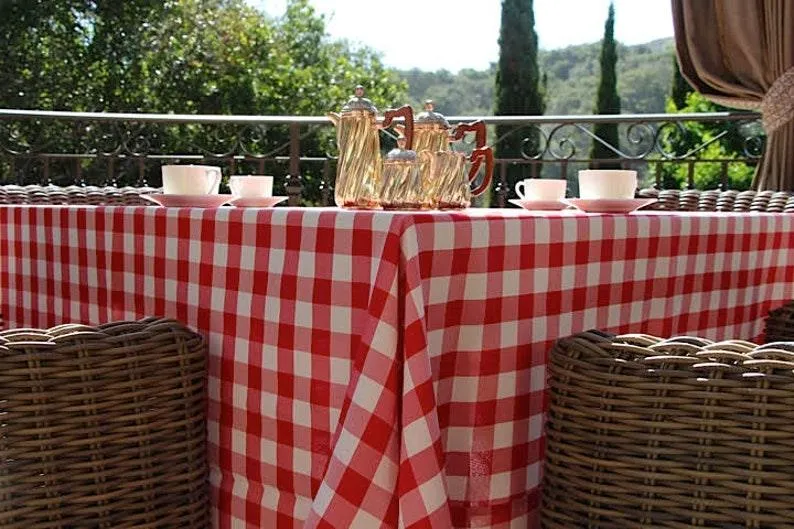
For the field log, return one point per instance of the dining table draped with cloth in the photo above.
(388, 369)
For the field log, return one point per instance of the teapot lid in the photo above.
(401, 153)
(359, 102)
(430, 116)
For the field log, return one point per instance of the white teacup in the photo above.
(541, 189)
(607, 183)
(191, 179)
(251, 186)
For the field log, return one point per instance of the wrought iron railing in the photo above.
(42, 147)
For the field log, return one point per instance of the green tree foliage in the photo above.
(116, 43)
(608, 100)
(518, 88)
(181, 56)
(721, 141)
(41, 51)
(644, 74)
(215, 56)
(467, 93)
(231, 59)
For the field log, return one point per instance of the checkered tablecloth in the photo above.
(388, 369)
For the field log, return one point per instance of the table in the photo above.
(388, 369)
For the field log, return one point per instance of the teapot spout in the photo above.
(334, 117)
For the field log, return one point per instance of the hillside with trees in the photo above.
(648, 82)
(645, 73)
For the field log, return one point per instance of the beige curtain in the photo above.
(740, 53)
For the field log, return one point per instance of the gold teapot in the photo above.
(433, 134)
(359, 167)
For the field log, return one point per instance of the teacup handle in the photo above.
(215, 181)
(520, 191)
(476, 160)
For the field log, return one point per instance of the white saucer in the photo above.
(256, 202)
(609, 205)
(189, 201)
(538, 205)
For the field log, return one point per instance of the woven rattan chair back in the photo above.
(645, 432)
(75, 195)
(103, 427)
(715, 200)
(780, 324)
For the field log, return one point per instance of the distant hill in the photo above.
(645, 73)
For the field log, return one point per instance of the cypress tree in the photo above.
(608, 101)
(518, 91)
(680, 89)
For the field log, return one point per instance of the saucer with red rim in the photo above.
(609, 205)
(538, 205)
(188, 201)
(256, 202)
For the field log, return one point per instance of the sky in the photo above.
(455, 34)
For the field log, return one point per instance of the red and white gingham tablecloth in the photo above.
(388, 369)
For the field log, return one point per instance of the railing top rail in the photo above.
(8, 114)
(159, 118)
(607, 118)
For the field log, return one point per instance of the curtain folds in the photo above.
(740, 53)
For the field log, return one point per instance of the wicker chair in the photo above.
(645, 432)
(715, 200)
(780, 324)
(103, 427)
(75, 195)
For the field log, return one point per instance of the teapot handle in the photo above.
(407, 113)
(476, 160)
(478, 127)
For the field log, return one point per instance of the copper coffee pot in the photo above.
(359, 167)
